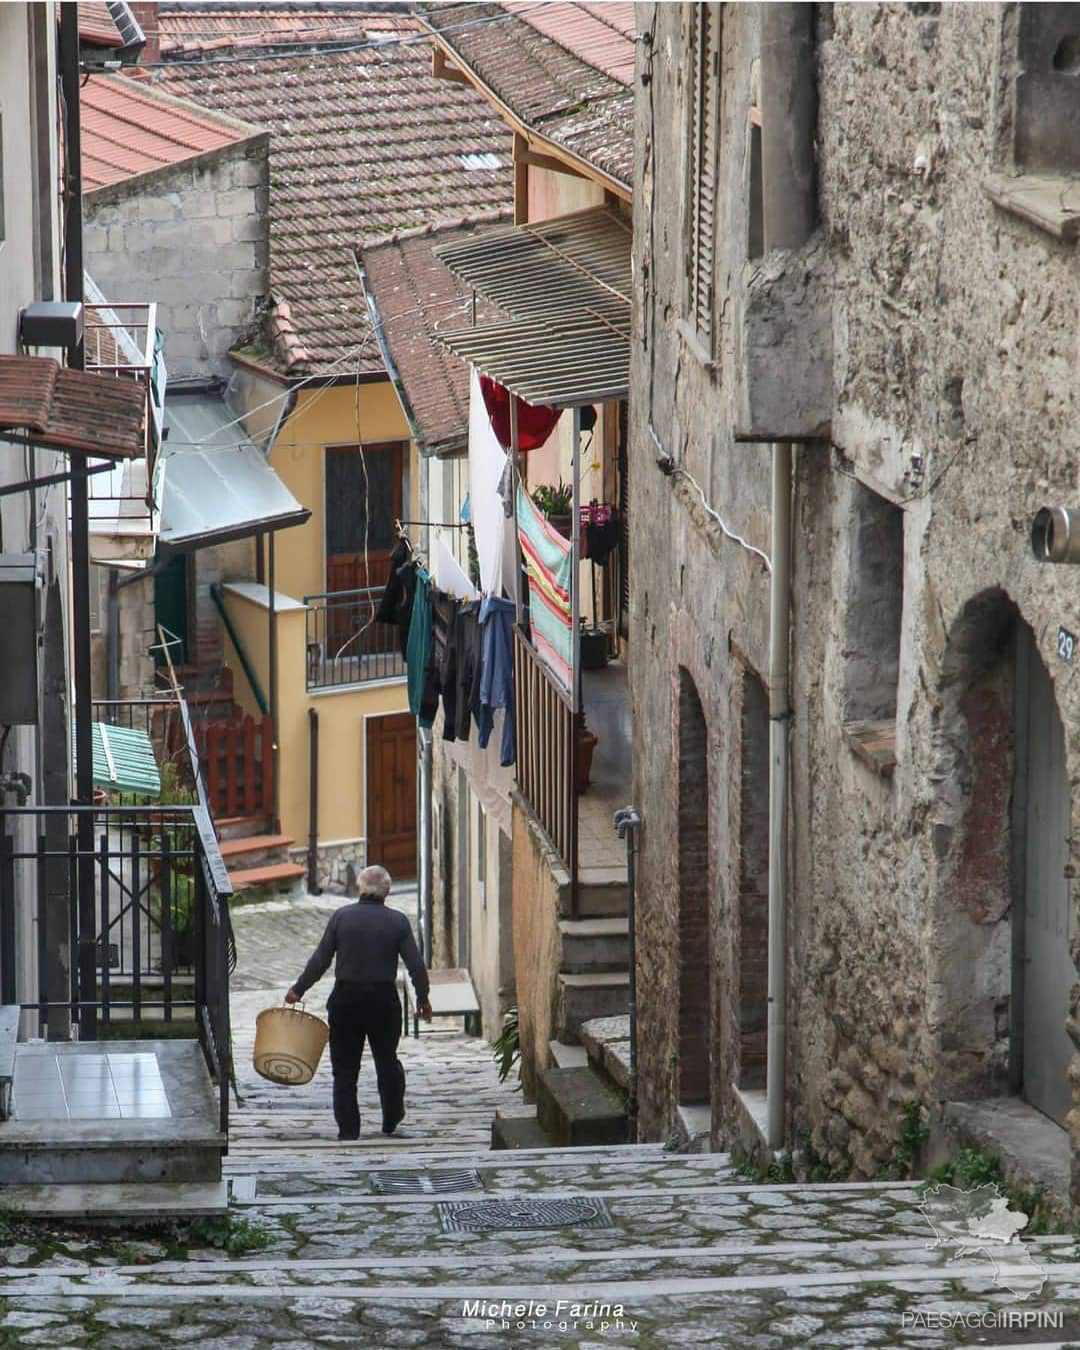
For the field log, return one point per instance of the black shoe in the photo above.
(347, 1138)
(389, 1125)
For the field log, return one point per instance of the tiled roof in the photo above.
(71, 409)
(600, 35)
(129, 128)
(362, 143)
(183, 33)
(550, 67)
(97, 26)
(417, 296)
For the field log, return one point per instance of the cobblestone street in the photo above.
(656, 1249)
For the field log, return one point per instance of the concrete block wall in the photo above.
(194, 238)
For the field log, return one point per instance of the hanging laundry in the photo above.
(548, 563)
(467, 665)
(419, 645)
(440, 678)
(496, 674)
(535, 421)
(396, 604)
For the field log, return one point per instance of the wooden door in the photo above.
(391, 794)
(1042, 796)
(359, 540)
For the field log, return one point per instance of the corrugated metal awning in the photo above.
(124, 760)
(63, 409)
(214, 484)
(566, 283)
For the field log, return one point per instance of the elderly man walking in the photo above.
(367, 939)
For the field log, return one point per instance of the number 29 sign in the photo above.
(1066, 645)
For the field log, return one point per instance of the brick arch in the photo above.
(694, 927)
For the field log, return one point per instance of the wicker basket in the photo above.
(289, 1044)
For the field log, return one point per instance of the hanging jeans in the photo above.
(359, 1012)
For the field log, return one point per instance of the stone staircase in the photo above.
(257, 859)
(593, 979)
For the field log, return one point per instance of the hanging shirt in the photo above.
(467, 652)
(496, 673)
(395, 607)
(419, 644)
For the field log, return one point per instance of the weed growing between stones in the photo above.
(970, 1169)
(914, 1132)
(779, 1172)
(507, 1047)
(229, 1234)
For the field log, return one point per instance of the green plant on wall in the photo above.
(507, 1048)
(554, 501)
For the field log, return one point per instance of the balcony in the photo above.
(573, 805)
(345, 644)
(120, 340)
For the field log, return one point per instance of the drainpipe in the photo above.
(627, 823)
(788, 115)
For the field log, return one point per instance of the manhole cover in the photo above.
(489, 1216)
(425, 1183)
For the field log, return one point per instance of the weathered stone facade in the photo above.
(193, 237)
(950, 336)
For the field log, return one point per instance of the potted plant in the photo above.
(557, 504)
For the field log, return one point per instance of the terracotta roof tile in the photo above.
(362, 143)
(554, 79)
(97, 26)
(71, 409)
(417, 296)
(600, 35)
(129, 128)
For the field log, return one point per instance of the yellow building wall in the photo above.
(322, 417)
(331, 415)
(342, 715)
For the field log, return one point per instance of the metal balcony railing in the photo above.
(345, 645)
(139, 894)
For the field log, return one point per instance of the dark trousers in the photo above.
(359, 1012)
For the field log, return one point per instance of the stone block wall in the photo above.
(954, 400)
(194, 238)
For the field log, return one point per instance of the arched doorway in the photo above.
(695, 932)
(1000, 995)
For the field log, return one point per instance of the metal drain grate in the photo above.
(425, 1183)
(489, 1216)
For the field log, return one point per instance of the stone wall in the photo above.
(194, 238)
(952, 343)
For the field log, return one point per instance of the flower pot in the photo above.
(562, 523)
(584, 745)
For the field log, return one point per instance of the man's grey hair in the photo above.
(374, 881)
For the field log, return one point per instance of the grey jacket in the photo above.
(367, 939)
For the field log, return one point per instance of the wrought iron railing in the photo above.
(139, 895)
(545, 725)
(345, 643)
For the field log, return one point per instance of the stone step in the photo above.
(232, 827)
(602, 893)
(145, 1200)
(253, 850)
(277, 876)
(594, 944)
(568, 1056)
(575, 1107)
(518, 1132)
(582, 997)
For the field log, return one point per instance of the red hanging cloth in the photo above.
(536, 421)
